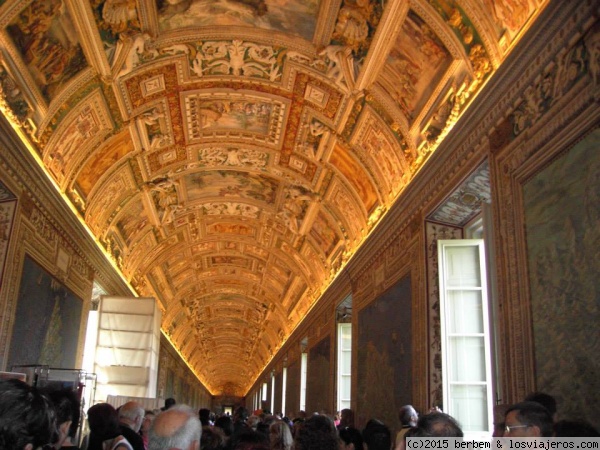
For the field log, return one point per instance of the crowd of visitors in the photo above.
(48, 419)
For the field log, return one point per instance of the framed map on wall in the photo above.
(47, 321)
(562, 214)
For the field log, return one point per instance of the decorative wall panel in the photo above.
(384, 355)
(562, 212)
(47, 321)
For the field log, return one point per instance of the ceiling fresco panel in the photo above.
(415, 65)
(101, 160)
(47, 40)
(82, 129)
(356, 176)
(226, 184)
(297, 17)
(381, 151)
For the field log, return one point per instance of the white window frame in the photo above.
(273, 393)
(451, 404)
(343, 354)
(303, 373)
(264, 393)
(283, 389)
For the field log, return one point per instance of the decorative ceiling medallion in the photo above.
(245, 116)
(153, 85)
(316, 95)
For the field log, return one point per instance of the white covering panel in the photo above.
(128, 390)
(129, 322)
(123, 357)
(128, 341)
(129, 305)
(123, 374)
(124, 339)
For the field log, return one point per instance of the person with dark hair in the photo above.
(239, 419)
(213, 438)
(546, 400)
(169, 403)
(66, 405)
(438, 424)
(27, 418)
(226, 424)
(350, 438)
(574, 428)
(317, 433)
(346, 419)
(376, 436)
(204, 416)
(528, 419)
(408, 418)
(105, 432)
(249, 439)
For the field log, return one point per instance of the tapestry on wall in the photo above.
(317, 378)
(8, 205)
(384, 368)
(562, 216)
(47, 321)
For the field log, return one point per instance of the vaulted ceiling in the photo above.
(230, 156)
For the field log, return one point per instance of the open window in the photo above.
(465, 335)
(344, 353)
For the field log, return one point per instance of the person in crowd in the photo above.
(376, 436)
(317, 433)
(408, 418)
(105, 432)
(350, 439)
(226, 424)
(204, 416)
(176, 428)
(499, 425)
(131, 415)
(574, 428)
(149, 417)
(27, 418)
(249, 440)
(438, 424)
(66, 405)
(346, 418)
(528, 419)
(213, 438)
(280, 436)
(253, 422)
(546, 400)
(239, 419)
(169, 403)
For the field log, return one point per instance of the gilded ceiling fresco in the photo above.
(230, 156)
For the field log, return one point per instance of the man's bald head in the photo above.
(175, 428)
(132, 414)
